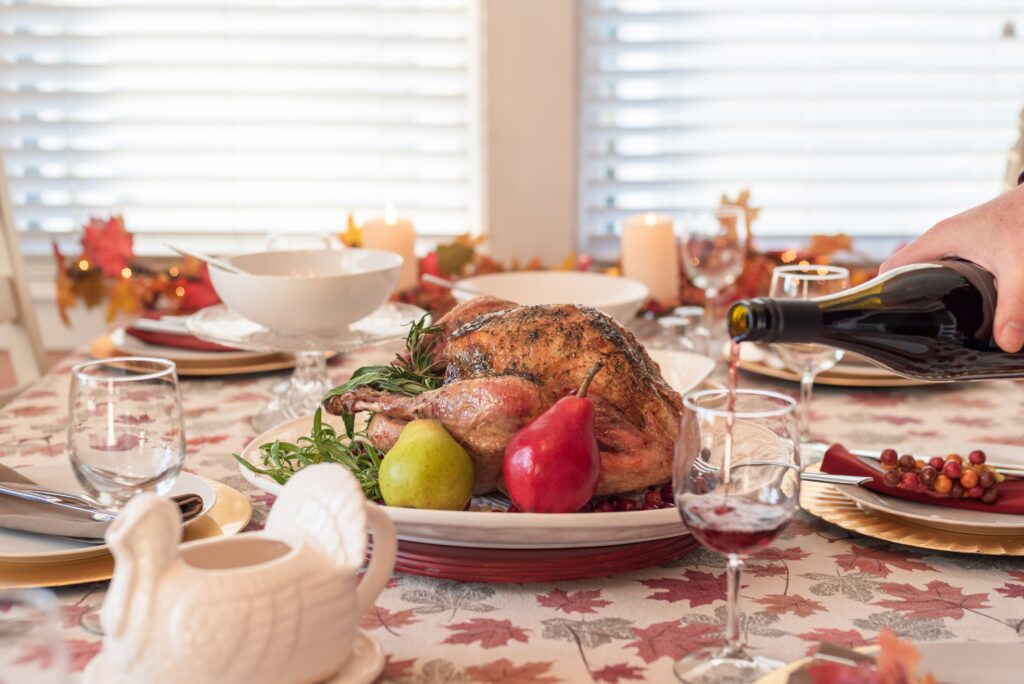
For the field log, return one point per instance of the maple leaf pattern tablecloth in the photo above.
(815, 582)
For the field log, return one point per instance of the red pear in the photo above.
(553, 462)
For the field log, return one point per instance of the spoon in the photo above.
(434, 280)
(213, 261)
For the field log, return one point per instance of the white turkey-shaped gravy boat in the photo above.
(278, 606)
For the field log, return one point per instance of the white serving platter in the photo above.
(25, 547)
(488, 529)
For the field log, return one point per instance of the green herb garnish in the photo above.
(281, 460)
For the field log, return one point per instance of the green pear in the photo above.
(426, 468)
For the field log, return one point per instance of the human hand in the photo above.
(992, 236)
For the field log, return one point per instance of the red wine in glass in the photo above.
(733, 524)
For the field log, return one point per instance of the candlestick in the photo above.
(650, 254)
(391, 233)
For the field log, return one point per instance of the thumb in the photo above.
(1009, 323)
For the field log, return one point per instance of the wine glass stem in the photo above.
(710, 296)
(804, 410)
(732, 616)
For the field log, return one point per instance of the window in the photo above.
(236, 118)
(863, 116)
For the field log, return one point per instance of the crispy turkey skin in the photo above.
(507, 364)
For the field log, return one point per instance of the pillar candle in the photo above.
(650, 254)
(393, 234)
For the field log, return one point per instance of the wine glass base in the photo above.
(90, 621)
(717, 666)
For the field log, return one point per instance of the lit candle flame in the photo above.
(390, 215)
(650, 218)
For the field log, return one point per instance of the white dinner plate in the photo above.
(25, 547)
(950, 662)
(133, 346)
(929, 515)
(682, 370)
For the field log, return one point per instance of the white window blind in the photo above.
(229, 120)
(864, 116)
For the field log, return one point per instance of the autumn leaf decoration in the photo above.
(107, 245)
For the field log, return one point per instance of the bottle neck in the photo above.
(774, 320)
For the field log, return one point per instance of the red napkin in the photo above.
(175, 340)
(839, 461)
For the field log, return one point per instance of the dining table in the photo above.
(816, 582)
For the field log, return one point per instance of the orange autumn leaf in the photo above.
(124, 298)
(897, 660)
(352, 236)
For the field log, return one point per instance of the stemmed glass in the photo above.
(714, 246)
(126, 433)
(737, 484)
(807, 281)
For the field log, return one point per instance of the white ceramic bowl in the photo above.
(308, 291)
(620, 298)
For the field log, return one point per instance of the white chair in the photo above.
(17, 315)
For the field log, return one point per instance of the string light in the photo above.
(126, 272)
(174, 272)
(789, 256)
(180, 291)
(83, 265)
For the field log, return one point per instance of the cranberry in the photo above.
(936, 462)
(975, 492)
(604, 506)
(952, 469)
(976, 457)
(907, 462)
(909, 481)
(987, 479)
(956, 491)
(627, 505)
(889, 457)
(990, 495)
(652, 499)
(928, 476)
(891, 478)
(666, 492)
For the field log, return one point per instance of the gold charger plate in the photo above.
(103, 347)
(831, 505)
(228, 517)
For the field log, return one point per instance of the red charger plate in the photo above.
(519, 566)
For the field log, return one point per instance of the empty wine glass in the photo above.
(807, 281)
(31, 648)
(737, 485)
(714, 245)
(126, 434)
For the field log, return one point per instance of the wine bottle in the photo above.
(930, 321)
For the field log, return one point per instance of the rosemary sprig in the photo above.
(415, 371)
(281, 459)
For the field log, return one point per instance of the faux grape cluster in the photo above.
(943, 477)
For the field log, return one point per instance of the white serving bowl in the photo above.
(308, 291)
(620, 298)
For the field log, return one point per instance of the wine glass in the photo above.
(807, 281)
(31, 648)
(714, 253)
(737, 484)
(126, 433)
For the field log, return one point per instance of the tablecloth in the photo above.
(815, 582)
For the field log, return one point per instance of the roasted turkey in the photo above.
(507, 364)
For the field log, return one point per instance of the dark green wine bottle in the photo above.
(929, 321)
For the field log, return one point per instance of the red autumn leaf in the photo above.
(198, 292)
(30, 411)
(848, 638)
(673, 639)
(617, 673)
(876, 561)
(896, 420)
(1019, 576)
(107, 245)
(771, 553)
(780, 604)
(698, 587)
(396, 669)
(379, 617)
(503, 671)
(203, 440)
(490, 633)
(37, 653)
(81, 652)
(937, 600)
(766, 570)
(1012, 590)
(573, 602)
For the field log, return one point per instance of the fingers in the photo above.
(1009, 323)
(937, 243)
